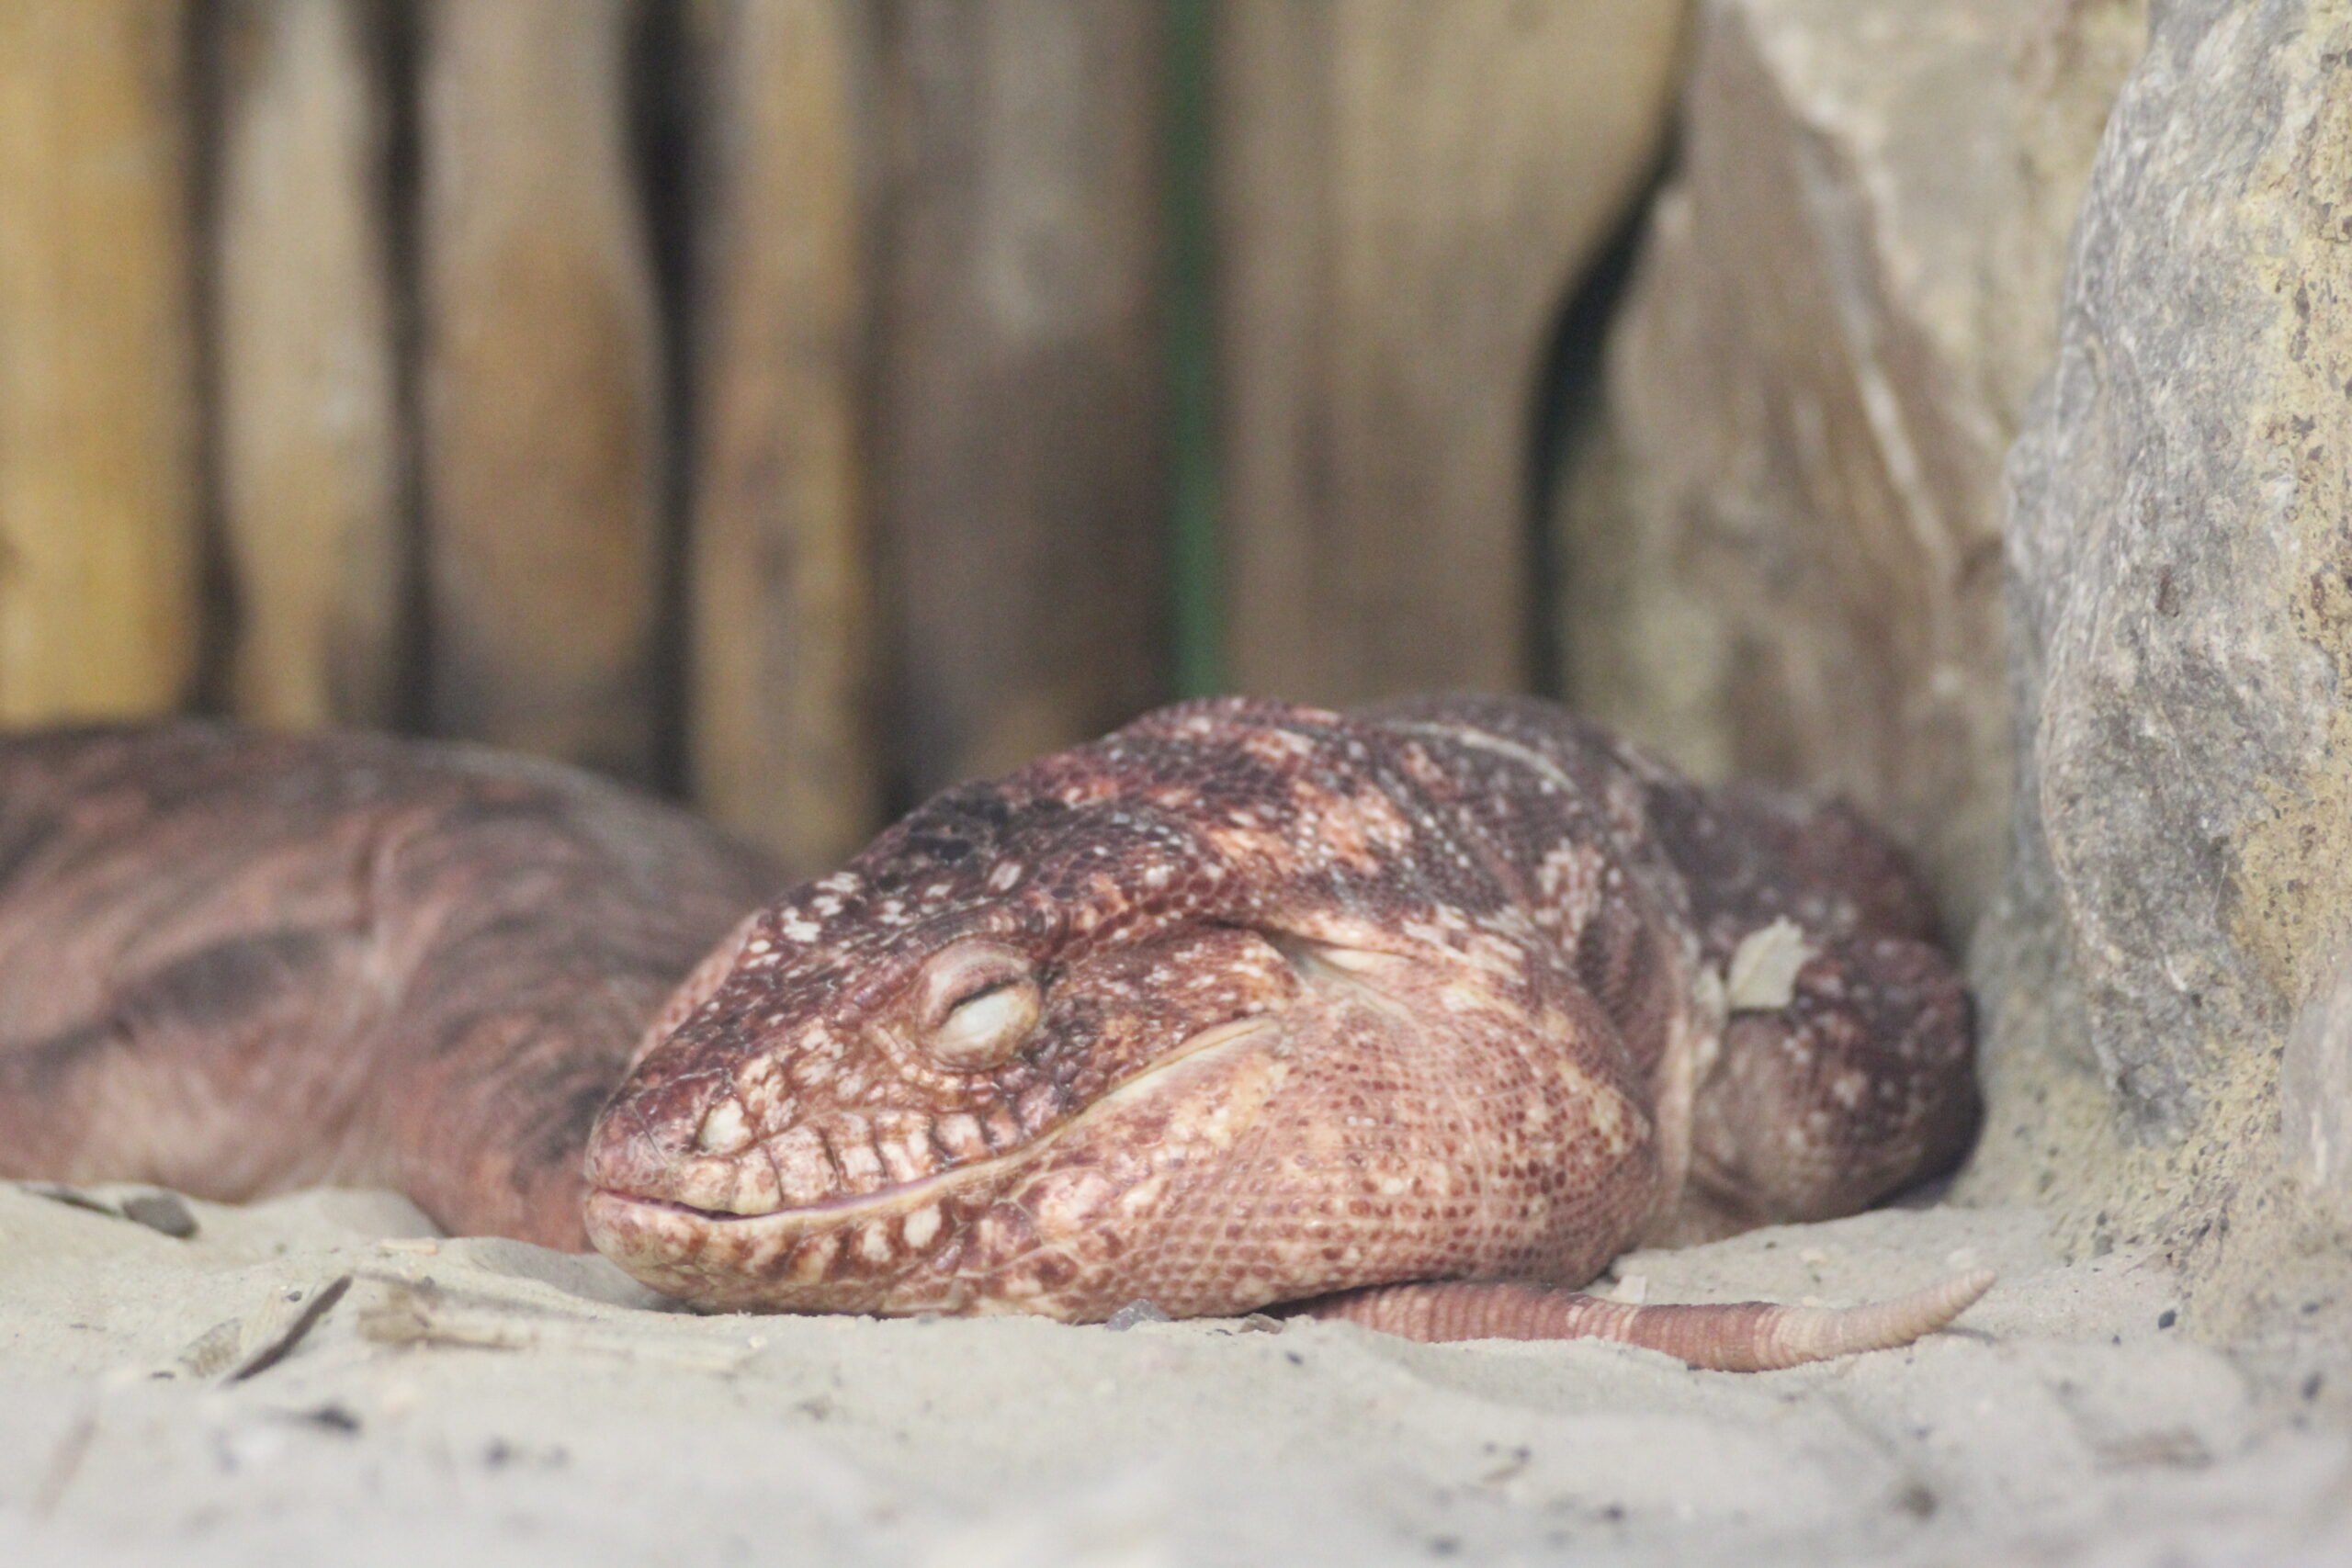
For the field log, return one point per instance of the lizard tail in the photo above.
(1739, 1337)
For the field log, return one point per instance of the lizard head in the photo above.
(1129, 1024)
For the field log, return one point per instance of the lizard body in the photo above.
(1244, 1005)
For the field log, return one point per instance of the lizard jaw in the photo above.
(896, 1251)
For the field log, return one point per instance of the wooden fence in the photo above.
(801, 404)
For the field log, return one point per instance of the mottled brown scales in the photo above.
(236, 963)
(1245, 1004)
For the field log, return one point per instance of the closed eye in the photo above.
(986, 988)
(981, 1002)
(986, 1029)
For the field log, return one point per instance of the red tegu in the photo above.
(1416, 1016)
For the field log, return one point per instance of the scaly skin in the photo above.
(1274, 1003)
(1244, 1005)
(237, 964)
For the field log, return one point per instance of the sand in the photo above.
(184, 1399)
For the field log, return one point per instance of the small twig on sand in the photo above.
(280, 1341)
(64, 1465)
(419, 1314)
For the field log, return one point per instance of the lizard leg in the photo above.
(1851, 1080)
(1740, 1337)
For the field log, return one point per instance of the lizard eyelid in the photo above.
(965, 973)
(979, 1004)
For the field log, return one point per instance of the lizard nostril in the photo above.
(725, 1130)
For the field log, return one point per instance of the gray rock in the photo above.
(2180, 562)
(1781, 549)
(166, 1212)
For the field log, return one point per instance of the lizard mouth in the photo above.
(685, 1250)
(849, 1206)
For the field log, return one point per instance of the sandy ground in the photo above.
(184, 1399)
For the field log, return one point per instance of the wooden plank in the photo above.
(1404, 195)
(98, 496)
(782, 739)
(543, 395)
(1018, 399)
(308, 409)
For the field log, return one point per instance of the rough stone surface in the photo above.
(2181, 597)
(1782, 546)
